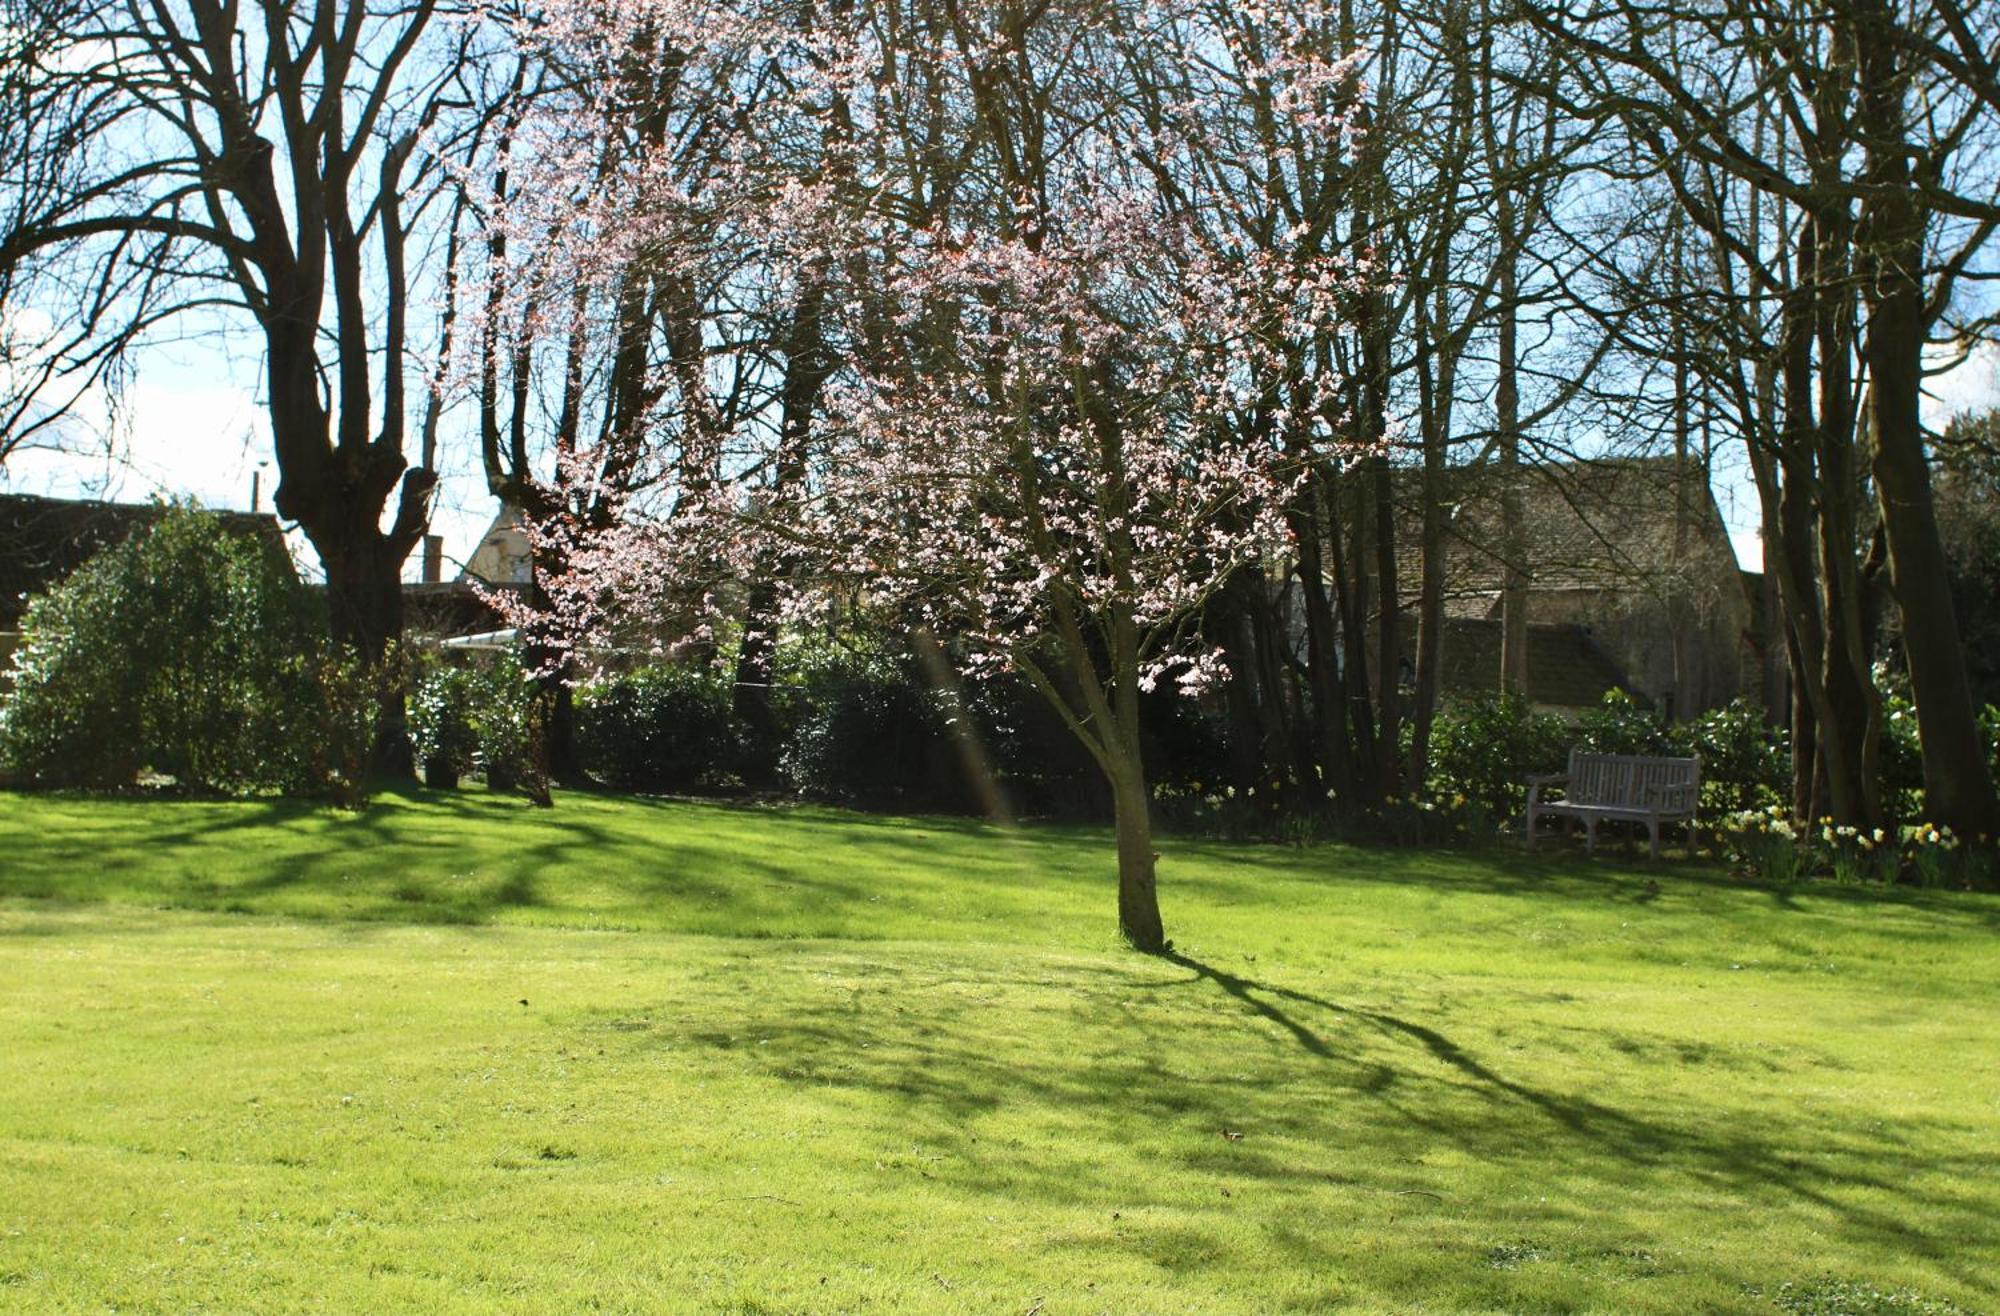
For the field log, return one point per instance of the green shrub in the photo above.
(662, 728)
(1989, 728)
(1745, 763)
(869, 723)
(865, 729)
(475, 717)
(1484, 749)
(441, 733)
(1902, 754)
(187, 651)
(1619, 725)
(1041, 768)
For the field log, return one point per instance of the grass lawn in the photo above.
(459, 1054)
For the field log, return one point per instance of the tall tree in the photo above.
(1037, 440)
(259, 166)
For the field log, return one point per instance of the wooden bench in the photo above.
(1618, 788)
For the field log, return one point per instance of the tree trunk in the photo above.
(1388, 638)
(565, 762)
(364, 591)
(1138, 893)
(1132, 801)
(808, 365)
(750, 698)
(1262, 731)
(1848, 729)
(1329, 712)
(1430, 609)
(1507, 406)
(1958, 786)
(1350, 574)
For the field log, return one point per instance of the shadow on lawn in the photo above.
(1343, 1098)
(636, 849)
(1225, 875)
(414, 856)
(1733, 1154)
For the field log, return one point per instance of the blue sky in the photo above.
(194, 429)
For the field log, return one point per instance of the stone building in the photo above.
(1631, 583)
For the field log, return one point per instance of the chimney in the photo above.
(433, 559)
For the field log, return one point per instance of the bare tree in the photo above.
(1839, 222)
(264, 166)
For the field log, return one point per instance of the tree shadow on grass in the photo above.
(654, 847)
(415, 856)
(1738, 1156)
(1322, 1077)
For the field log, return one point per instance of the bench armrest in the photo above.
(1539, 782)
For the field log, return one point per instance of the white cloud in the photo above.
(1972, 385)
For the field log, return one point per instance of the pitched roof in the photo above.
(1585, 525)
(42, 540)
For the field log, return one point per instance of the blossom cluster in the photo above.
(1072, 383)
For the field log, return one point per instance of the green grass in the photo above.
(459, 1054)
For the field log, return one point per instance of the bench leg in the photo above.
(1653, 833)
(1590, 837)
(1531, 830)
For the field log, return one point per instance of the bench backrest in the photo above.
(1630, 780)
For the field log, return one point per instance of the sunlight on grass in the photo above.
(644, 1056)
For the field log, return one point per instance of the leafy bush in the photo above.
(1989, 728)
(441, 731)
(1745, 764)
(1484, 749)
(866, 730)
(187, 651)
(342, 698)
(869, 724)
(1040, 767)
(474, 718)
(1902, 752)
(1901, 747)
(1184, 743)
(663, 728)
(1619, 725)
